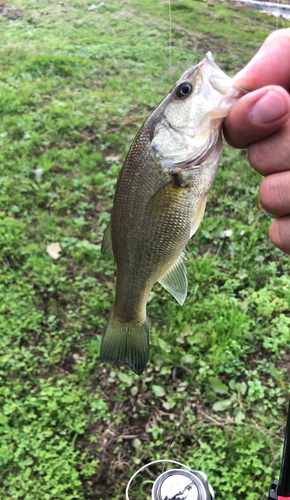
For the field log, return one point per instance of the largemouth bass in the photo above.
(160, 201)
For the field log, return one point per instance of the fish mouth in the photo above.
(219, 80)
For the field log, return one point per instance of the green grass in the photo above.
(75, 86)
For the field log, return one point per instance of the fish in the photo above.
(160, 202)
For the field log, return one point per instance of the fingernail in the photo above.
(269, 108)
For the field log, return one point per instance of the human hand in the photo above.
(260, 121)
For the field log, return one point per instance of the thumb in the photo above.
(257, 115)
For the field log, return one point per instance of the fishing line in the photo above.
(169, 44)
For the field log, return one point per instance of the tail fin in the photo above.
(127, 342)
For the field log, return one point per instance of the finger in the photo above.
(257, 115)
(272, 154)
(270, 66)
(279, 233)
(274, 193)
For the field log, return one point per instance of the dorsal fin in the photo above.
(107, 242)
(175, 281)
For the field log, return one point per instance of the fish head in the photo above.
(189, 120)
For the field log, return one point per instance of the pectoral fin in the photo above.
(175, 281)
(107, 242)
(198, 216)
(165, 200)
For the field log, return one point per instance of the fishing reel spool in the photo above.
(178, 484)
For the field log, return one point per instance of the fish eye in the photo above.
(184, 89)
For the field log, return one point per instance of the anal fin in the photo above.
(175, 281)
(107, 248)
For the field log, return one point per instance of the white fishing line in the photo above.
(148, 465)
(169, 43)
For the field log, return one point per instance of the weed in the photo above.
(75, 86)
